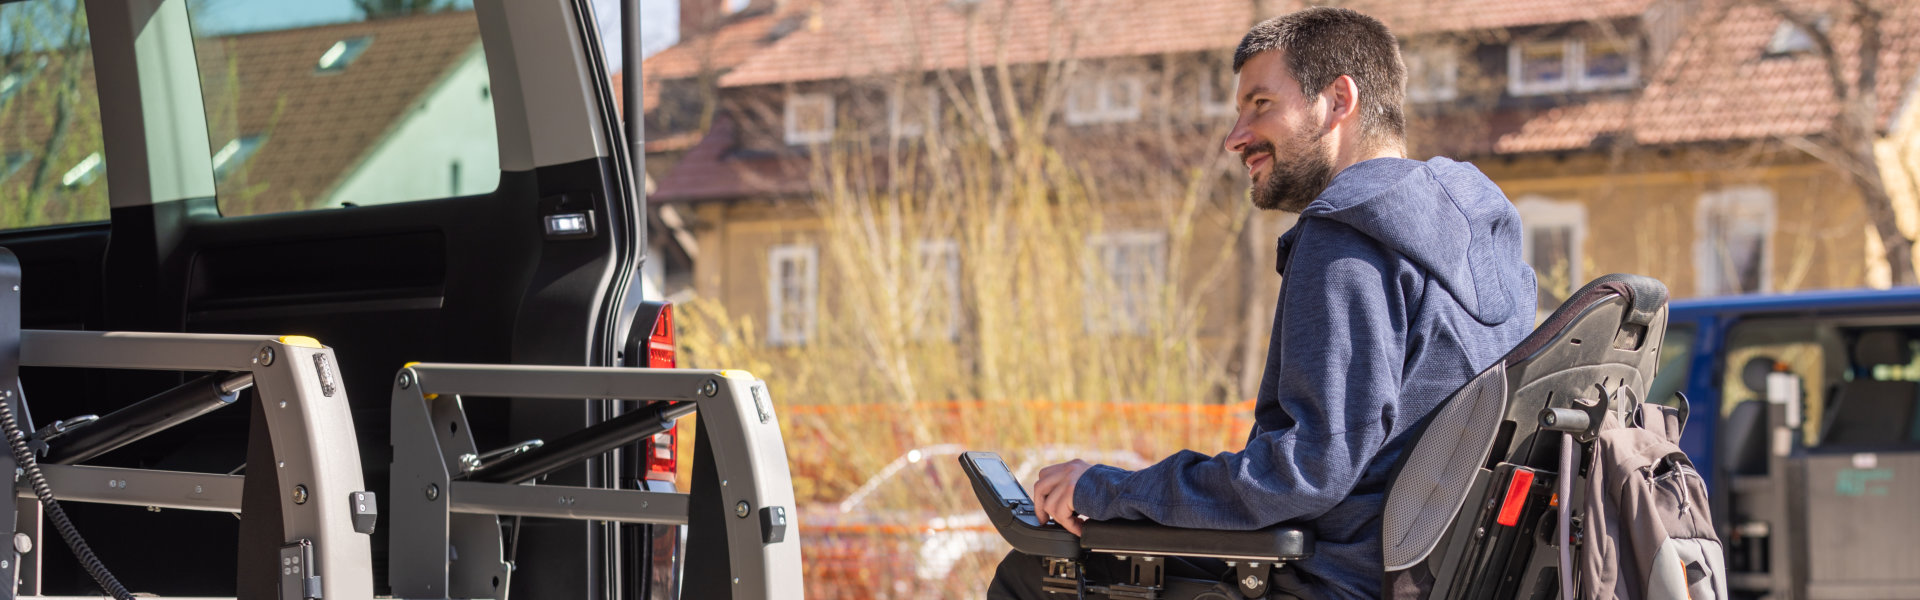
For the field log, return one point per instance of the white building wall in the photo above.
(452, 124)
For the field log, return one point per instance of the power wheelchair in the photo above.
(1472, 508)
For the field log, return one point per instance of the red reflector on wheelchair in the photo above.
(1516, 497)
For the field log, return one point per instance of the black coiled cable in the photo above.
(24, 456)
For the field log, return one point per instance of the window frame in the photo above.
(1585, 83)
(1210, 84)
(1518, 86)
(1124, 314)
(780, 333)
(1541, 211)
(1709, 279)
(796, 137)
(1106, 107)
(1574, 63)
(1449, 60)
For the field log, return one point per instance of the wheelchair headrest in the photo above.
(1645, 296)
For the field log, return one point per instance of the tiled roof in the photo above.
(856, 38)
(730, 44)
(1719, 84)
(1716, 83)
(1563, 127)
(708, 172)
(322, 124)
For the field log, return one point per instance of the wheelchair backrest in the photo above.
(1463, 507)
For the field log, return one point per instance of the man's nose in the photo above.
(1238, 139)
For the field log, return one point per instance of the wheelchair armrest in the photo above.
(1279, 543)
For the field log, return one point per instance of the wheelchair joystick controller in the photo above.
(1011, 510)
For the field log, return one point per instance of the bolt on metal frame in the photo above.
(446, 539)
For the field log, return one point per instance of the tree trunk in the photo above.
(1899, 247)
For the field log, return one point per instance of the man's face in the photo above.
(1279, 136)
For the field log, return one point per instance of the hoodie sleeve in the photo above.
(1342, 354)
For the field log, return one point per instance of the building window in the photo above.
(1552, 235)
(1433, 75)
(1127, 272)
(1789, 38)
(235, 153)
(1733, 241)
(910, 112)
(1606, 65)
(85, 172)
(1108, 99)
(1555, 66)
(809, 119)
(935, 301)
(12, 83)
(11, 163)
(1216, 92)
(734, 6)
(342, 53)
(793, 292)
(1539, 68)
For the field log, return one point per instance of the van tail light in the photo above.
(662, 451)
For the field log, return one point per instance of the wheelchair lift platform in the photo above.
(308, 508)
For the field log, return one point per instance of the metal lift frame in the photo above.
(301, 445)
(446, 537)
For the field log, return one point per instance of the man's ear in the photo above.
(1343, 101)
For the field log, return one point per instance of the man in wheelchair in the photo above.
(1403, 279)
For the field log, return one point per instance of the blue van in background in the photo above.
(1804, 420)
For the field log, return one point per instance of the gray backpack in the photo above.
(1646, 532)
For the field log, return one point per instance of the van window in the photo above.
(52, 170)
(1797, 347)
(332, 103)
(1676, 356)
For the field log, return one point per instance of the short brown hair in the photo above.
(1323, 43)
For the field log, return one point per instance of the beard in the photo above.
(1295, 178)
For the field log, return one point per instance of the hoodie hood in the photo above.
(1443, 215)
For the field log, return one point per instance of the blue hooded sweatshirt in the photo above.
(1401, 281)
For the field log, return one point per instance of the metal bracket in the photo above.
(739, 460)
(1252, 578)
(1063, 578)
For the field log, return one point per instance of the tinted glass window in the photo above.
(52, 170)
(329, 103)
(1676, 355)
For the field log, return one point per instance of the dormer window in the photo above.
(11, 163)
(11, 84)
(342, 53)
(1571, 65)
(1433, 75)
(1105, 99)
(234, 154)
(809, 119)
(1540, 67)
(1607, 65)
(1790, 38)
(85, 172)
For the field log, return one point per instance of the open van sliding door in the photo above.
(237, 208)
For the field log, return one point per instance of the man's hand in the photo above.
(1053, 493)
